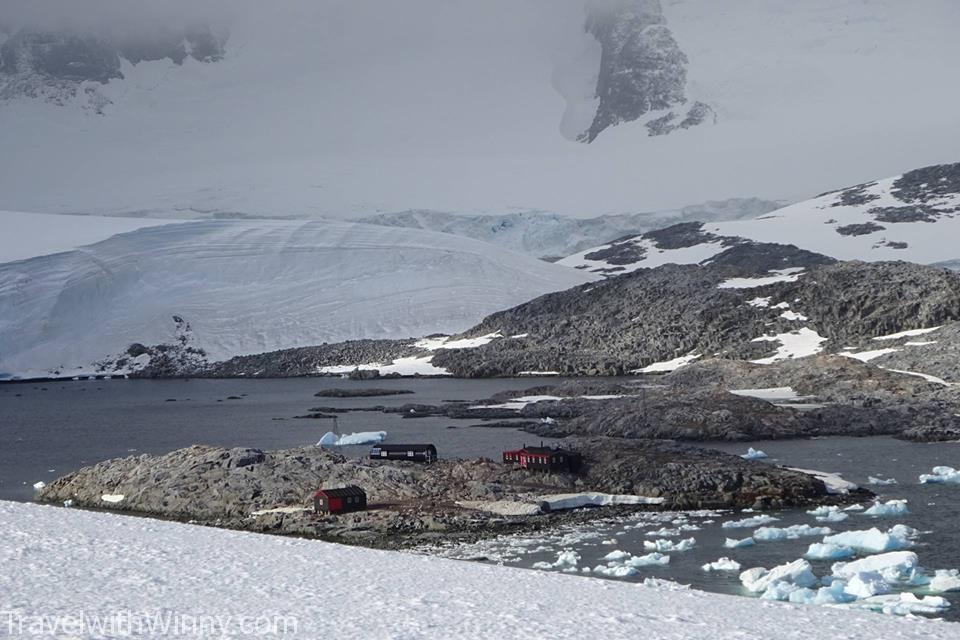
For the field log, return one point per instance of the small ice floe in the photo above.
(68, 503)
(753, 454)
(616, 555)
(663, 533)
(731, 543)
(827, 551)
(941, 475)
(669, 546)
(112, 498)
(829, 513)
(775, 534)
(723, 564)
(854, 507)
(891, 508)
(566, 561)
(903, 604)
(798, 573)
(883, 482)
(944, 580)
(893, 566)
(749, 523)
(875, 541)
(39, 486)
(331, 439)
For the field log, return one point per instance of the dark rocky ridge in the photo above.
(413, 503)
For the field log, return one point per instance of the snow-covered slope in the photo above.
(549, 235)
(28, 235)
(252, 286)
(344, 108)
(914, 217)
(208, 582)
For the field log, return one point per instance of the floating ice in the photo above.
(754, 454)
(873, 540)
(774, 534)
(330, 439)
(945, 580)
(663, 533)
(881, 481)
(649, 560)
(723, 564)
(854, 507)
(887, 509)
(867, 584)
(903, 604)
(731, 543)
(39, 486)
(616, 555)
(829, 513)
(826, 551)
(749, 523)
(566, 561)
(798, 573)
(668, 546)
(941, 475)
(892, 566)
(614, 570)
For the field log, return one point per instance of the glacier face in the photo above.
(253, 286)
(343, 109)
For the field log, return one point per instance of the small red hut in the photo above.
(342, 500)
(543, 459)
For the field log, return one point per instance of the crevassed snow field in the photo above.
(61, 564)
(253, 286)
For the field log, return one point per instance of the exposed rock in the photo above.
(272, 491)
(860, 229)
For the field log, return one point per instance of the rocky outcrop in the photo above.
(642, 69)
(272, 490)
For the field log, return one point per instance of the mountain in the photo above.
(345, 109)
(222, 288)
(550, 236)
(914, 216)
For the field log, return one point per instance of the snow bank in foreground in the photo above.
(330, 439)
(172, 563)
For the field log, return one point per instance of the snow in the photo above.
(753, 454)
(748, 523)
(731, 543)
(794, 532)
(771, 394)
(502, 507)
(668, 365)
(254, 286)
(835, 484)
(912, 333)
(723, 564)
(112, 498)
(30, 235)
(795, 344)
(925, 376)
(872, 540)
(867, 356)
(432, 344)
(593, 499)
(760, 303)
(171, 565)
(941, 475)
(827, 551)
(891, 508)
(779, 275)
(331, 439)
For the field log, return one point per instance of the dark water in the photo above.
(49, 429)
(934, 510)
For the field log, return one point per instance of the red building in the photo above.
(343, 500)
(543, 459)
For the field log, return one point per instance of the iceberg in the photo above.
(649, 560)
(614, 570)
(330, 439)
(39, 486)
(616, 555)
(749, 523)
(566, 561)
(891, 508)
(881, 481)
(904, 604)
(872, 540)
(892, 566)
(774, 534)
(826, 551)
(723, 564)
(941, 475)
(866, 584)
(753, 454)
(731, 543)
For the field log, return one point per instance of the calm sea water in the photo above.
(50, 429)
